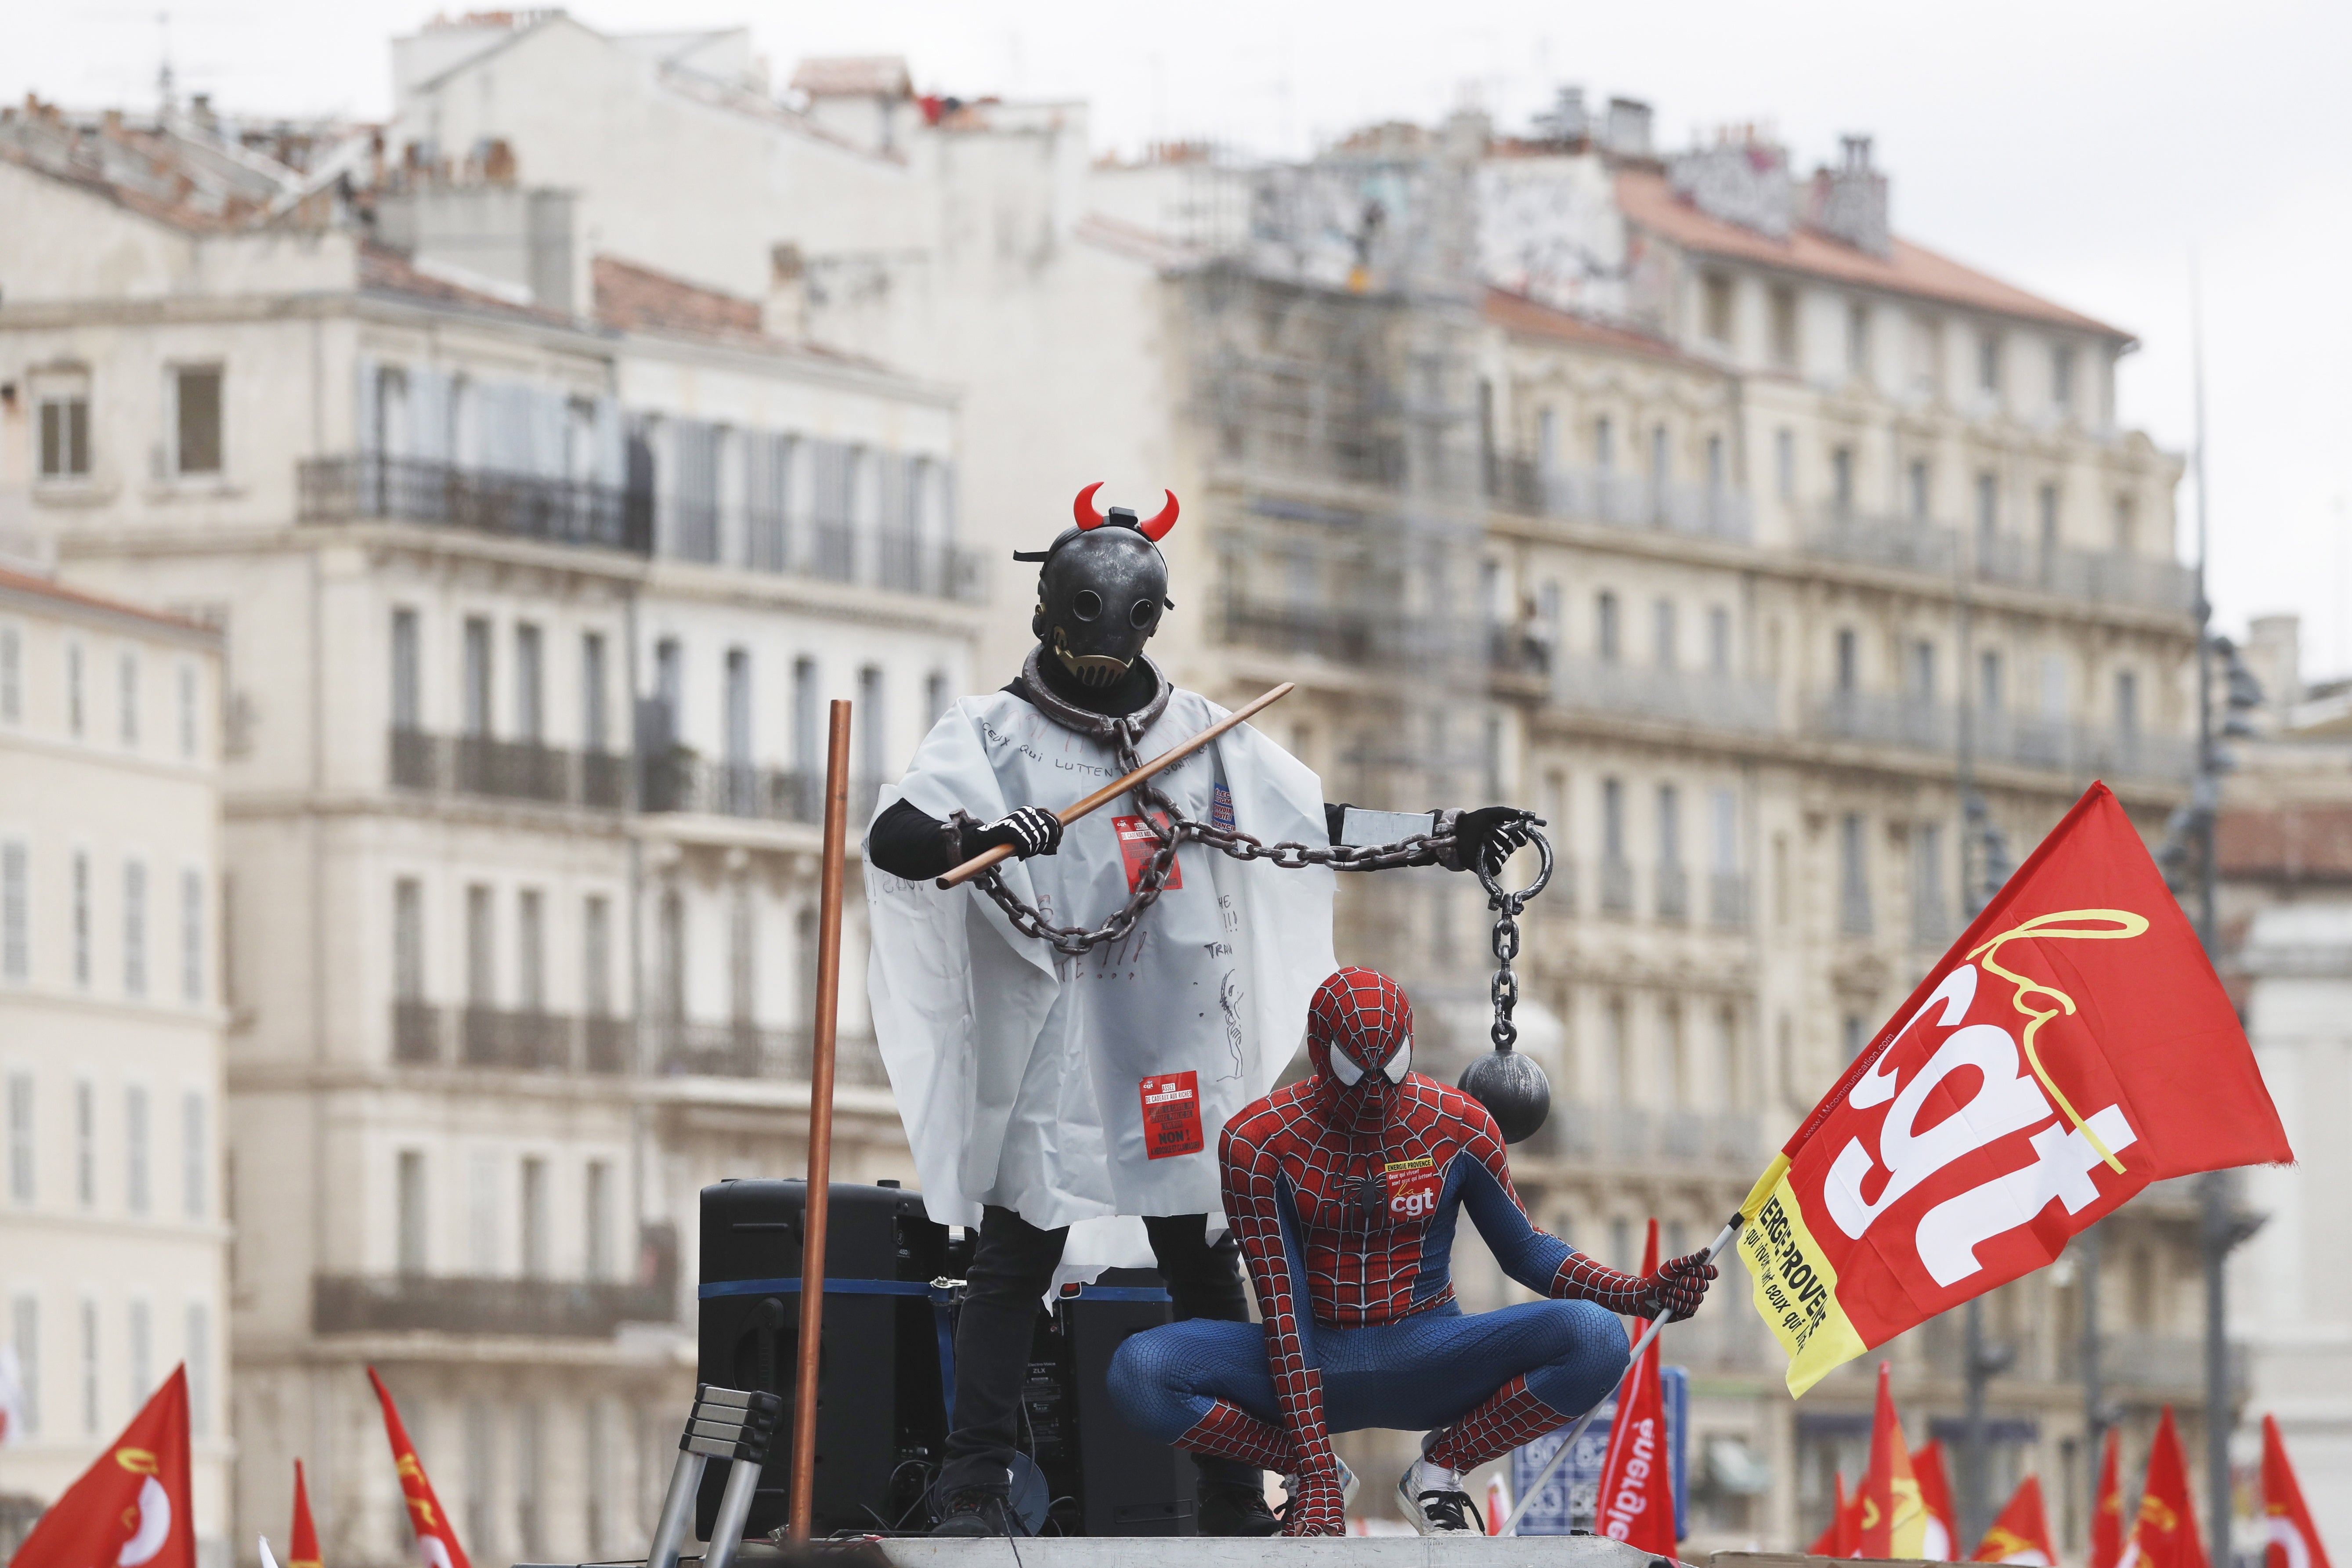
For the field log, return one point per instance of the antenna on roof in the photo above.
(163, 65)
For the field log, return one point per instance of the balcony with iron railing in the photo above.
(896, 558)
(680, 1047)
(680, 781)
(427, 1034)
(1700, 698)
(417, 1302)
(1616, 887)
(506, 769)
(1674, 893)
(371, 487)
(1727, 901)
(1527, 486)
(1922, 724)
(1921, 544)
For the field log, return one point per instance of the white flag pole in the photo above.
(1722, 1241)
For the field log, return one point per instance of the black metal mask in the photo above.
(1101, 589)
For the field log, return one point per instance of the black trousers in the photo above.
(1012, 1265)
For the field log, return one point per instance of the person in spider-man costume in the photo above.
(1344, 1189)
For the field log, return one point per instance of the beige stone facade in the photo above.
(113, 1185)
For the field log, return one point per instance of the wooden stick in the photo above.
(1111, 791)
(820, 1139)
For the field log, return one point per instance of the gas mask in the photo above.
(1101, 589)
(1359, 1038)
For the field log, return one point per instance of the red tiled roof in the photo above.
(14, 581)
(638, 298)
(1645, 198)
(853, 75)
(2295, 843)
(1517, 314)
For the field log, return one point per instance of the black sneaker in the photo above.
(1235, 1510)
(979, 1511)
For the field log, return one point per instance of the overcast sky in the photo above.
(2085, 151)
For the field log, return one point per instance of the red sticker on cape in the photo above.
(1139, 844)
(1412, 1190)
(1171, 1115)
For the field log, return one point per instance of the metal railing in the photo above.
(1996, 736)
(507, 770)
(680, 781)
(466, 1304)
(2103, 576)
(425, 1034)
(1674, 893)
(1727, 901)
(683, 1048)
(1697, 697)
(371, 486)
(896, 558)
(1909, 543)
(1617, 888)
(1526, 485)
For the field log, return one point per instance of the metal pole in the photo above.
(1972, 1444)
(820, 1142)
(2095, 1392)
(2215, 1225)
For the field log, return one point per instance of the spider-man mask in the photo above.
(1360, 1036)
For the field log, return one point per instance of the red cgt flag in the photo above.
(2073, 1047)
(2291, 1543)
(2021, 1533)
(1893, 1519)
(1636, 1496)
(304, 1552)
(1936, 1497)
(130, 1509)
(2165, 1535)
(437, 1537)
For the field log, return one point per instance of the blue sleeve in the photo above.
(1529, 1256)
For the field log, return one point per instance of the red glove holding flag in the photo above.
(2073, 1046)
(130, 1509)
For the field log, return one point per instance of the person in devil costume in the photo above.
(1061, 1085)
(1345, 1189)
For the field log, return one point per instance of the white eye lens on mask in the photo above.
(1400, 1063)
(1345, 1067)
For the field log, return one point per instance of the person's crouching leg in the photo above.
(1173, 1384)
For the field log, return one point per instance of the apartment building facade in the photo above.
(113, 1235)
(526, 611)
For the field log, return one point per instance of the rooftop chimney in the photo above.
(1849, 201)
(1566, 119)
(1742, 180)
(1628, 132)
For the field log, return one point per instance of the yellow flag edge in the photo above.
(1785, 1264)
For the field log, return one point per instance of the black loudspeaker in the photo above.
(881, 1411)
(1119, 1482)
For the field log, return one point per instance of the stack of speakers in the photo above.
(884, 1375)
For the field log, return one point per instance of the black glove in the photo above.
(1032, 830)
(1677, 1288)
(1487, 835)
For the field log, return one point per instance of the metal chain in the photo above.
(1508, 907)
(1174, 830)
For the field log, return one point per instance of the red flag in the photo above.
(1828, 1543)
(2021, 1533)
(2165, 1535)
(1894, 1521)
(2073, 1047)
(304, 1552)
(129, 1509)
(1636, 1501)
(2107, 1519)
(1936, 1497)
(2292, 1541)
(436, 1537)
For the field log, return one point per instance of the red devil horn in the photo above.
(1155, 527)
(1083, 508)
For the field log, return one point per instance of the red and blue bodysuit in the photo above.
(1344, 1190)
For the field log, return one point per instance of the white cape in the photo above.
(1019, 1071)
